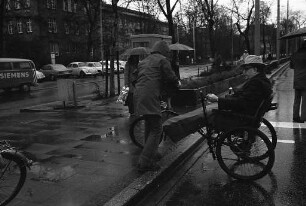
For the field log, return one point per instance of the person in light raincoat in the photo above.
(154, 73)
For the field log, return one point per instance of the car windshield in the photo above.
(59, 67)
(81, 64)
(97, 64)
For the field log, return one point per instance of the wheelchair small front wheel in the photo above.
(245, 153)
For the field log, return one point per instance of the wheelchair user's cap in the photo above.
(253, 60)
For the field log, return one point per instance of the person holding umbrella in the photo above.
(130, 75)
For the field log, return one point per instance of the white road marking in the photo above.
(287, 141)
(289, 125)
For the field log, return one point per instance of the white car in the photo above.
(81, 70)
(40, 76)
(96, 65)
(121, 66)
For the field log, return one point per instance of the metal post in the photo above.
(74, 95)
(257, 29)
(287, 46)
(194, 43)
(118, 73)
(101, 33)
(277, 32)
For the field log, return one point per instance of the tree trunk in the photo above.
(113, 48)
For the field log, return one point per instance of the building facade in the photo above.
(35, 29)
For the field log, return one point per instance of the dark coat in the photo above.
(153, 72)
(298, 63)
(249, 97)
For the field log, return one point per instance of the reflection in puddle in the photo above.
(52, 174)
(112, 132)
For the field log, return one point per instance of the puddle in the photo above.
(112, 132)
(50, 174)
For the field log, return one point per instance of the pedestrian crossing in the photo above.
(289, 125)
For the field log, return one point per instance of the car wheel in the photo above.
(82, 74)
(25, 88)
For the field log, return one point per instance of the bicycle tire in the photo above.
(267, 128)
(13, 171)
(235, 154)
(137, 128)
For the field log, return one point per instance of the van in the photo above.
(17, 73)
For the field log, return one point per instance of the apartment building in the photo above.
(35, 29)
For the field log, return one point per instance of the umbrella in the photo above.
(137, 51)
(297, 33)
(180, 47)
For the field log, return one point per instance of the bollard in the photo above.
(74, 95)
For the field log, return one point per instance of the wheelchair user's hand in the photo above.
(212, 97)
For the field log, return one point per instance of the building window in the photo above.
(52, 26)
(27, 4)
(9, 5)
(66, 26)
(75, 5)
(29, 26)
(51, 4)
(67, 5)
(19, 26)
(54, 48)
(77, 29)
(17, 4)
(10, 27)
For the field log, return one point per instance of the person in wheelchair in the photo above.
(247, 99)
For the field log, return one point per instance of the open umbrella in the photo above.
(180, 47)
(297, 33)
(137, 51)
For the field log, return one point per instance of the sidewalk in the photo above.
(84, 156)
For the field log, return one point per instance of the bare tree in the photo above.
(265, 12)
(299, 18)
(244, 19)
(208, 9)
(92, 20)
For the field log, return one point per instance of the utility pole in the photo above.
(194, 41)
(101, 33)
(277, 32)
(257, 29)
(287, 46)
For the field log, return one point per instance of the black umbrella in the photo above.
(297, 33)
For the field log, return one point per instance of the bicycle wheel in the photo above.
(245, 153)
(137, 128)
(12, 177)
(267, 128)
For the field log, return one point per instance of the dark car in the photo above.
(54, 71)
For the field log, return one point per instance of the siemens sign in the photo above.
(14, 75)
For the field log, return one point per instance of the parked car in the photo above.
(121, 66)
(15, 72)
(96, 65)
(54, 71)
(81, 70)
(40, 76)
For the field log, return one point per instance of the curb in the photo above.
(141, 186)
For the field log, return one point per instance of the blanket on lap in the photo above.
(183, 125)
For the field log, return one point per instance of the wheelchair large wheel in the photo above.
(267, 128)
(137, 128)
(245, 153)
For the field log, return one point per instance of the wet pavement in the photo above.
(81, 156)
